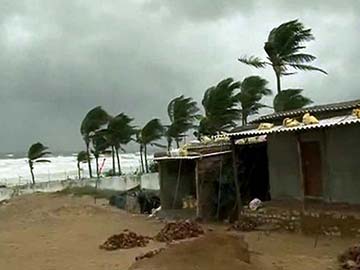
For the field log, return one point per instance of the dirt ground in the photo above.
(53, 232)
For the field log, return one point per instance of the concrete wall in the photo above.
(343, 152)
(340, 147)
(169, 171)
(284, 174)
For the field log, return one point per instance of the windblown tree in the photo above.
(284, 51)
(100, 145)
(221, 107)
(182, 113)
(119, 132)
(252, 90)
(149, 135)
(93, 121)
(290, 99)
(36, 154)
(82, 157)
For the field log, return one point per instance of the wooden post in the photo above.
(235, 171)
(197, 189)
(298, 144)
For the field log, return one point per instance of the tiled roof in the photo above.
(314, 109)
(328, 122)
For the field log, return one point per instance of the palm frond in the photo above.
(94, 120)
(299, 58)
(37, 150)
(307, 68)
(152, 131)
(290, 99)
(253, 61)
(42, 161)
(82, 157)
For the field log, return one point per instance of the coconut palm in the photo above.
(290, 99)
(252, 90)
(182, 113)
(148, 135)
(118, 133)
(93, 121)
(283, 49)
(100, 145)
(82, 157)
(35, 155)
(221, 107)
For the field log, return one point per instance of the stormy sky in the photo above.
(60, 58)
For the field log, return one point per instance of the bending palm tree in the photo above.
(252, 90)
(182, 113)
(283, 51)
(92, 122)
(221, 107)
(100, 144)
(35, 154)
(149, 134)
(82, 157)
(119, 132)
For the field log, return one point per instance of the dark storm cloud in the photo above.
(60, 58)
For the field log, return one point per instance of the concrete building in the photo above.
(316, 161)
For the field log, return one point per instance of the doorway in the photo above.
(311, 168)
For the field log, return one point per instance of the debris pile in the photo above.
(245, 224)
(149, 254)
(125, 240)
(350, 259)
(179, 230)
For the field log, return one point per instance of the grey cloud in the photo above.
(61, 58)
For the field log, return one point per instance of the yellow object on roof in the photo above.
(309, 119)
(356, 112)
(265, 126)
(290, 122)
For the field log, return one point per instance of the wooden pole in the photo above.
(235, 171)
(177, 185)
(197, 189)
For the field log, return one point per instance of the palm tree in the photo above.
(182, 113)
(221, 107)
(149, 134)
(119, 132)
(35, 155)
(100, 145)
(93, 121)
(290, 99)
(82, 157)
(252, 90)
(283, 49)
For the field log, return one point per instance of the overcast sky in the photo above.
(60, 58)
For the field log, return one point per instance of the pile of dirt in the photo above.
(125, 240)
(149, 254)
(211, 252)
(350, 259)
(245, 224)
(179, 230)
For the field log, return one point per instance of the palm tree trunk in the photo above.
(244, 119)
(146, 161)
(113, 159)
(31, 171)
(97, 168)
(177, 143)
(278, 82)
(141, 159)
(118, 160)
(89, 161)
(78, 167)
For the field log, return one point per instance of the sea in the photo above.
(14, 167)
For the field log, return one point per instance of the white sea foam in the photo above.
(15, 171)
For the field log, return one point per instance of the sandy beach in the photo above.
(53, 231)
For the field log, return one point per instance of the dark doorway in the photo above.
(253, 172)
(311, 168)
